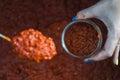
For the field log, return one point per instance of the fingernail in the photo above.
(88, 61)
(117, 62)
(74, 18)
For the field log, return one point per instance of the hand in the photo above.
(107, 11)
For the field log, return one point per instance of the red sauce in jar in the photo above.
(81, 39)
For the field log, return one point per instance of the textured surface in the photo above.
(81, 39)
(46, 15)
(33, 45)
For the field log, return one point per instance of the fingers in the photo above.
(108, 49)
(96, 11)
(91, 12)
(84, 14)
(116, 55)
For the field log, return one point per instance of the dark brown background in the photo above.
(45, 15)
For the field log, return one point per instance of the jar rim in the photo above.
(94, 25)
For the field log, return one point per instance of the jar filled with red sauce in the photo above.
(81, 38)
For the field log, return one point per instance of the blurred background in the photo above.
(49, 17)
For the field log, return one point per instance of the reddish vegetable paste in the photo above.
(81, 39)
(33, 45)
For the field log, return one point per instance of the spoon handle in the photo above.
(5, 37)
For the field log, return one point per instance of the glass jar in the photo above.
(95, 26)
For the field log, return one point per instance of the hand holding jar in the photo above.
(107, 11)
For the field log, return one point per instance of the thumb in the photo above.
(92, 11)
(84, 14)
